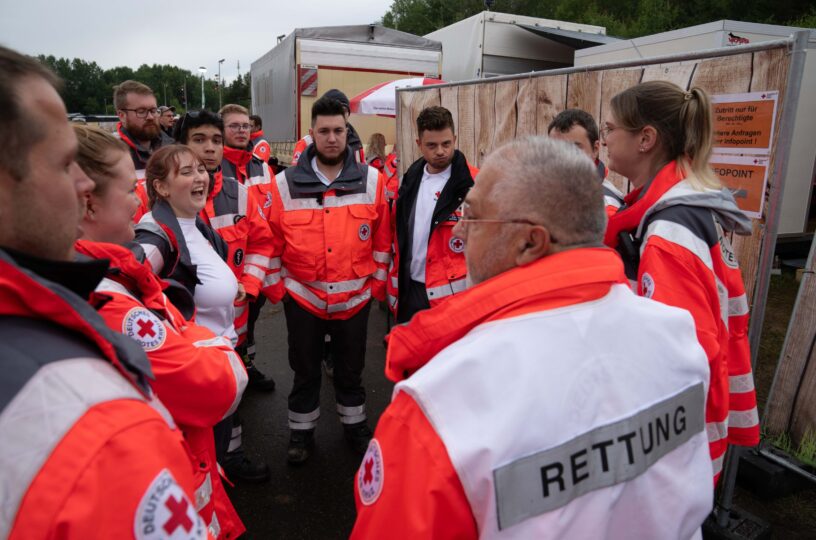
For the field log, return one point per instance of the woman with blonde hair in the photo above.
(671, 234)
(375, 153)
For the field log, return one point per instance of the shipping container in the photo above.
(490, 44)
(309, 61)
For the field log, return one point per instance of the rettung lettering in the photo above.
(603, 457)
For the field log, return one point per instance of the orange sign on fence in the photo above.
(746, 177)
(744, 122)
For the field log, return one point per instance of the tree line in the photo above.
(88, 88)
(622, 18)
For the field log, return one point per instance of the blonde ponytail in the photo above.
(698, 130)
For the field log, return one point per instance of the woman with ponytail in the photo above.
(671, 235)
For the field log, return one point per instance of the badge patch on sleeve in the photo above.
(370, 476)
(166, 512)
(364, 232)
(647, 285)
(456, 244)
(143, 326)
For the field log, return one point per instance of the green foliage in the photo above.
(89, 89)
(624, 18)
(804, 452)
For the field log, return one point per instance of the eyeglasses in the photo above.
(142, 113)
(465, 220)
(239, 127)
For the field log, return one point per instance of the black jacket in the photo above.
(453, 194)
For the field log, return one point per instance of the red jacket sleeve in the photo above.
(259, 246)
(420, 495)
(199, 377)
(382, 241)
(273, 285)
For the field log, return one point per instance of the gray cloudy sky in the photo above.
(184, 33)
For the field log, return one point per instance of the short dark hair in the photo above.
(18, 133)
(194, 119)
(564, 121)
(434, 119)
(326, 106)
(256, 119)
(121, 91)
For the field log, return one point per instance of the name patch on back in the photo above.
(600, 458)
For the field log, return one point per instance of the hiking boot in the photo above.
(241, 469)
(257, 380)
(358, 436)
(301, 444)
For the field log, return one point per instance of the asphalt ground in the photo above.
(314, 500)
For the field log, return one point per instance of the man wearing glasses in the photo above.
(138, 124)
(429, 264)
(551, 400)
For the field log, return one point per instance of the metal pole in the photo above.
(220, 83)
(795, 72)
(202, 91)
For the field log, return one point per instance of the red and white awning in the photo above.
(381, 99)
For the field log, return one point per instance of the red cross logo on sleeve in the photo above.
(178, 515)
(367, 476)
(145, 328)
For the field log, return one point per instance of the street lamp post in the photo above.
(202, 70)
(219, 82)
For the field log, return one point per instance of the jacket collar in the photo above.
(565, 278)
(351, 178)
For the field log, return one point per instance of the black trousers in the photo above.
(411, 301)
(306, 334)
(247, 348)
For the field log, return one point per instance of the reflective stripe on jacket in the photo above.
(332, 242)
(624, 414)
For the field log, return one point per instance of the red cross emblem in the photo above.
(367, 476)
(436, 195)
(145, 328)
(456, 244)
(178, 515)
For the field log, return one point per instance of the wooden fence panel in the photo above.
(485, 120)
(466, 129)
(792, 404)
(584, 92)
(727, 75)
(551, 99)
(449, 98)
(526, 106)
(680, 74)
(506, 93)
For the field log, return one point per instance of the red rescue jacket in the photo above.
(79, 393)
(672, 239)
(199, 376)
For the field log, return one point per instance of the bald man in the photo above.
(552, 401)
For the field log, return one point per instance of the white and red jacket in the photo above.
(237, 215)
(86, 449)
(613, 198)
(672, 239)
(513, 424)
(332, 241)
(260, 146)
(198, 376)
(445, 269)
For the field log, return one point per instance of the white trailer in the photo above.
(798, 214)
(490, 44)
(309, 61)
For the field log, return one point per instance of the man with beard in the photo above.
(352, 138)
(138, 122)
(429, 263)
(330, 225)
(167, 118)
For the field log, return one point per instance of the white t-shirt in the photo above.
(215, 295)
(429, 190)
(320, 176)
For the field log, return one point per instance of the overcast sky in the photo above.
(184, 33)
